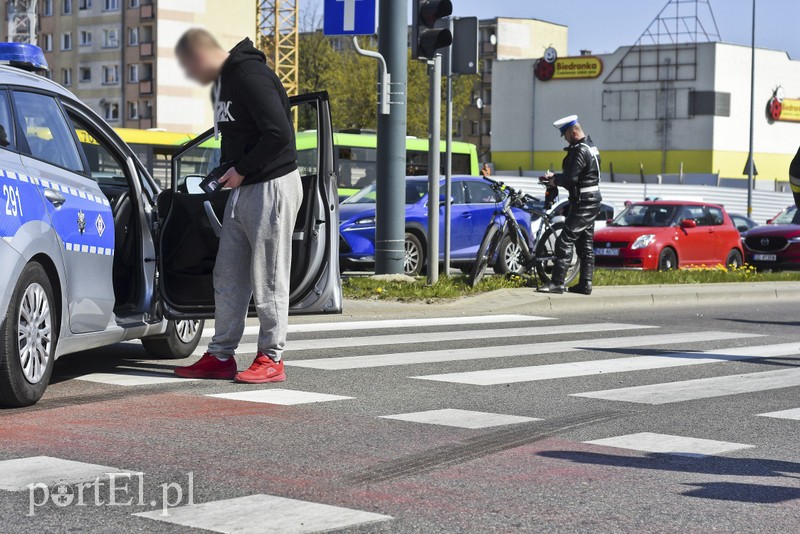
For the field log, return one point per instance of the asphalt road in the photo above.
(645, 421)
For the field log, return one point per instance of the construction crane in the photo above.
(277, 36)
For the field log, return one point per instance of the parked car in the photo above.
(472, 208)
(777, 245)
(667, 235)
(780, 213)
(743, 224)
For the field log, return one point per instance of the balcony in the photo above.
(486, 78)
(146, 49)
(147, 12)
(145, 87)
(487, 48)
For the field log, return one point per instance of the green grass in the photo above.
(456, 286)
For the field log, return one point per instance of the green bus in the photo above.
(355, 153)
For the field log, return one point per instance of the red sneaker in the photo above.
(209, 366)
(262, 370)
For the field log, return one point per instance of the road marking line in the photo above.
(794, 413)
(17, 474)
(131, 378)
(458, 335)
(460, 418)
(285, 397)
(701, 388)
(343, 326)
(615, 365)
(248, 515)
(533, 349)
(667, 444)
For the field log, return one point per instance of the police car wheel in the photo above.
(178, 342)
(28, 337)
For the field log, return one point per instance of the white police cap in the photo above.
(566, 122)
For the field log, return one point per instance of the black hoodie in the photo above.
(252, 112)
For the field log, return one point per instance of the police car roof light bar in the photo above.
(23, 56)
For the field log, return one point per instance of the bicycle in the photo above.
(537, 253)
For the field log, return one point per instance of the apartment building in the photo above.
(117, 55)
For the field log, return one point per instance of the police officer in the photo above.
(794, 178)
(581, 178)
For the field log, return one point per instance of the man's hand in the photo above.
(548, 179)
(231, 179)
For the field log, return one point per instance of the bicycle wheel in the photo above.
(546, 256)
(486, 252)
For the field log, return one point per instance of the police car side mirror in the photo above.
(192, 184)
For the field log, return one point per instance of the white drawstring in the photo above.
(216, 91)
(234, 200)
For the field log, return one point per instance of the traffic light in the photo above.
(426, 38)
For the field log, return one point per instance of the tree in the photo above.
(331, 64)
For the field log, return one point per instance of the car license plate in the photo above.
(765, 257)
(607, 251)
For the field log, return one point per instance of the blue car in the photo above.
(473, 206)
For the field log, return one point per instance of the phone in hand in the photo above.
(211, 183)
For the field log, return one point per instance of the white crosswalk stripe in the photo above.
(344, 326)
(17, 474)
(241, 516)
(617, 365)
(701, 388)
(286, 397)
(535, 349)
(511, 334)
(667, 444)
(460, 418)
(793, 413)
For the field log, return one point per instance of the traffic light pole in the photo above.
(448, 154)
(434, 172)
(390, 184)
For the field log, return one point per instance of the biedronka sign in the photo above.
(569, 68)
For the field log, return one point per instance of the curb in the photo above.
(604, 298)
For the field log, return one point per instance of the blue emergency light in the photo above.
(23, 56)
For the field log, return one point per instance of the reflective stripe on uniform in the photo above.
(795, 183)
(590, 189)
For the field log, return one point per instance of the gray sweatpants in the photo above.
(254, 259)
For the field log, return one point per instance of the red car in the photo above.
(666, 235)
(776, 246)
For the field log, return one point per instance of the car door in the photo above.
(79, 212)
(695, 244)
(459, 221)
(190, 223)
(481, 205)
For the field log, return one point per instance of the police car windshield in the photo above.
(647, 215)
(790, 216)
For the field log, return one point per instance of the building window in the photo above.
(47, 42)
(134, 3)
(487, 127)
(475, 128)
(47, 9)
(133, 36)
(83, 5)
(110, 111)
(66, 77)
(66, 41)
(487, 97)
(457, 129)
(85, 74)
(147, 112)
(110, 38)
(133, 110)
(67, 7)
(110, 5)
(133, 73)
(487, 66)
(85, 38)
(110, 74)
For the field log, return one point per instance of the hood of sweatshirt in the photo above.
(244, 51)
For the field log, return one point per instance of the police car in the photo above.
(93, 252)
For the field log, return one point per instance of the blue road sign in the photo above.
(349, 17)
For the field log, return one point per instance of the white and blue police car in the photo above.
(94, 252)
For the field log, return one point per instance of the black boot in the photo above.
(584, 287)
(550, 287)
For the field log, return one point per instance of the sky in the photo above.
(604, 25)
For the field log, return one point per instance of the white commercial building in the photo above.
(666, 109)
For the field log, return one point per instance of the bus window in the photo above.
(356, 166)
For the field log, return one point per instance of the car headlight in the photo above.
(643, 241)
(366, 221)
(794, 239)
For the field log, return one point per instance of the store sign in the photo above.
(568, 68)
(783, 109)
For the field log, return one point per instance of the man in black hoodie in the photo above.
(253, 116)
